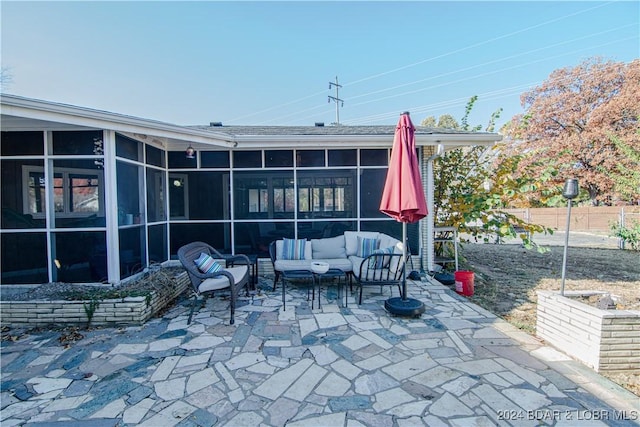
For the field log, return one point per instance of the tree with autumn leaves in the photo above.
(474, 185)
(582, 122)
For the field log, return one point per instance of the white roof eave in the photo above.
(90, 118)
(176, 136)
(371, 141)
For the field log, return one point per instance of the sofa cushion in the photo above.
(396, 261)
(386, 241)
(329, 248)
(341, 263)
(292, 264)
(303, 264)
(351, 240)
(307, 249)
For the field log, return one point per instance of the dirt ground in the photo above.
(507, 277)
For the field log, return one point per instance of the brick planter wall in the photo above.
(111, 312)
(605, 340)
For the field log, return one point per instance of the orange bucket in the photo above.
(464, 282)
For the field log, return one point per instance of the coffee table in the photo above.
(332, 273)
(297, 275)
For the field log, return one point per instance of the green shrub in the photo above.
(630, 235)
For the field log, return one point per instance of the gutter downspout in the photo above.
(428, 256)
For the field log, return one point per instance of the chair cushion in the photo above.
(207, 264)
(366, 246)
(222, 282)
(351, 240)
(329, 248)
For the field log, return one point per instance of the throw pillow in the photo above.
(381, 261)
(366, 246)
(293, 248)
(206, 264)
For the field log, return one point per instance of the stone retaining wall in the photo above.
(605, 340)
(111, 312)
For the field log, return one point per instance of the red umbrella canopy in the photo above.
(403, 195)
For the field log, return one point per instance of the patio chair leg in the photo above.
(360, 300)
(193, 307)
(234, 297)
(275, 280)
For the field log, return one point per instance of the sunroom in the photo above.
(91, 196)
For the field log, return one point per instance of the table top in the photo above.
(332, 272)
(292, 274)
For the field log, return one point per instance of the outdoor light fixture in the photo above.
(569, 192)
(190, 152)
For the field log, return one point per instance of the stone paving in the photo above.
(456, 365)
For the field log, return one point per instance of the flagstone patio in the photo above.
(455, 365)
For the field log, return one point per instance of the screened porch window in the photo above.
(267, 194)
(326, 196)
(76, 192)
(258, 200)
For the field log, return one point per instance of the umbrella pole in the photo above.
(403, 306)
(404, 259)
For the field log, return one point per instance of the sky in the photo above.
(276, 63)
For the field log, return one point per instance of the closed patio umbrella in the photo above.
(403, 199)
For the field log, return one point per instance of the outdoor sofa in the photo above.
(368, 257)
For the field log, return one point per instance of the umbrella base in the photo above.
(404, 307)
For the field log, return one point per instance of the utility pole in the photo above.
(336, 99)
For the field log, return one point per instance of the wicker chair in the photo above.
(234, 276)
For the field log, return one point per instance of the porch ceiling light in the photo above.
(190, 152)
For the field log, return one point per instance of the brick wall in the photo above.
(605, 340)
(113, 312)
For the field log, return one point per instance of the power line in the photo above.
(393, 114)
(278, 106)
(497, 94)
(475, 45)
(438, 57)
(475, 76)
(496, 61)
(443, 104)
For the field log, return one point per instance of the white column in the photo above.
(428, 224)
(111, 207)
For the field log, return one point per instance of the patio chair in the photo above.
(200, 261)
(380, 270)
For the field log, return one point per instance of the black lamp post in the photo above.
(569, 192)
